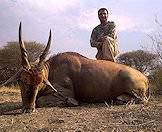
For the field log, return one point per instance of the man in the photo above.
(104, 37)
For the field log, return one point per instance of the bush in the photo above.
(10, 57)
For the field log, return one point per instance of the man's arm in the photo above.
(114, 36)
(113, 33)
(93, 40)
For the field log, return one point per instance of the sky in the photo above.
(72, 21)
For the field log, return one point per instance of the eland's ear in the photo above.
(49, 84)
(12, 78)
(24, 56)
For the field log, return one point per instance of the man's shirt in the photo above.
(107, 30)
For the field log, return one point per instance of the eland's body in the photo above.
(69, 78)
(94, 80)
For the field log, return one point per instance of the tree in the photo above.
(10, 58)
(157, 40)
(143, 61)
(156, 75)
(156, 81)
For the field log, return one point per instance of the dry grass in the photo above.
(12, 89)
(87, 117)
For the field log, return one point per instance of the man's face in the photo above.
(103, 15)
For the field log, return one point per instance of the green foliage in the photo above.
(156, 81)
(143, 61)
(10, 58)
(156, 75)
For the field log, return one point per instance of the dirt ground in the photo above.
(85, 118)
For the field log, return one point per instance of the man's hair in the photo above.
(101, 9)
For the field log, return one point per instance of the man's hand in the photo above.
(104, 38)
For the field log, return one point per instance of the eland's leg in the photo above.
(49, 101)
(63, 97)
(127, 99)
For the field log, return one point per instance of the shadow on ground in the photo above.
(10, 108)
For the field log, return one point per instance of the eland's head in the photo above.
(31, 77)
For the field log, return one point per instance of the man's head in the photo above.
(103, 15)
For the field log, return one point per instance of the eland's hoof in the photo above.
(71, 102)
(28, 110)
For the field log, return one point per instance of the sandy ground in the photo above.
(85, 118)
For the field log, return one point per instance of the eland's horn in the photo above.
(45, 52)
(49, 84)
(24, 56)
